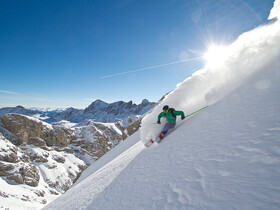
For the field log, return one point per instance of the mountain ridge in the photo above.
(104, 112)
(98, 110)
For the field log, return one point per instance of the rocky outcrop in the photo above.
(7, 134)
(16, 166)
(31, 175)
(95, 139)
(39, 167)
(19, 163)
(86, 138)
(133, 127)
(28, 129)
(37, 141)
(9, 152)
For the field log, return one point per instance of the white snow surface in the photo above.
(275, 11)
(224, 157)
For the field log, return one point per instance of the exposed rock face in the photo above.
(87, 138)
(31, 175)
(16, 166)
(7, 134)
(133, 127)
(9, 152)
(31, 156)
(95, 139)
(27, 128)
(23, 165)
(37, 141)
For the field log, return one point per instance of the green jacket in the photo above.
(169, 116)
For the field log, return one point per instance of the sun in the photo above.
(215, 56)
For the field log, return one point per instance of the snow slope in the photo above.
(275, 11)
(224, 157)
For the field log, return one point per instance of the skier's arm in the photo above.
(179, 113)
(160, 116)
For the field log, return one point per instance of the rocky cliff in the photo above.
(25, 128)
(35, 173)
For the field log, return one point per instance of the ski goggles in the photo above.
(166, 111)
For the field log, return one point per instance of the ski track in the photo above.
(99, 180)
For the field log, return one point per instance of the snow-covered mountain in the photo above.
(71, 114)
(224, 157)
(100, 111)
(47, 111)
(39, 161)
(105, 112)
(18, 110)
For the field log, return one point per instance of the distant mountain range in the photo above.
(99, 110)
(104, 112)
(47, 111)
(17, 110)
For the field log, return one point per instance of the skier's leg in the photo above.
(167, 126)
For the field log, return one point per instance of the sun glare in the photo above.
(215, 56)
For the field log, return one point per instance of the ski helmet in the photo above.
(165, 108)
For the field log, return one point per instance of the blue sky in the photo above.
(54, 53)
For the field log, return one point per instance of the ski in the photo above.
(149, 143)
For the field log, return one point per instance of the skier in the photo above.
(170, 115)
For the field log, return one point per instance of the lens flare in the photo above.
(216, 55)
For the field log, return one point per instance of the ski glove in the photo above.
(182, 117)
(158, 122)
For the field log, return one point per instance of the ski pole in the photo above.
(196, 111)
